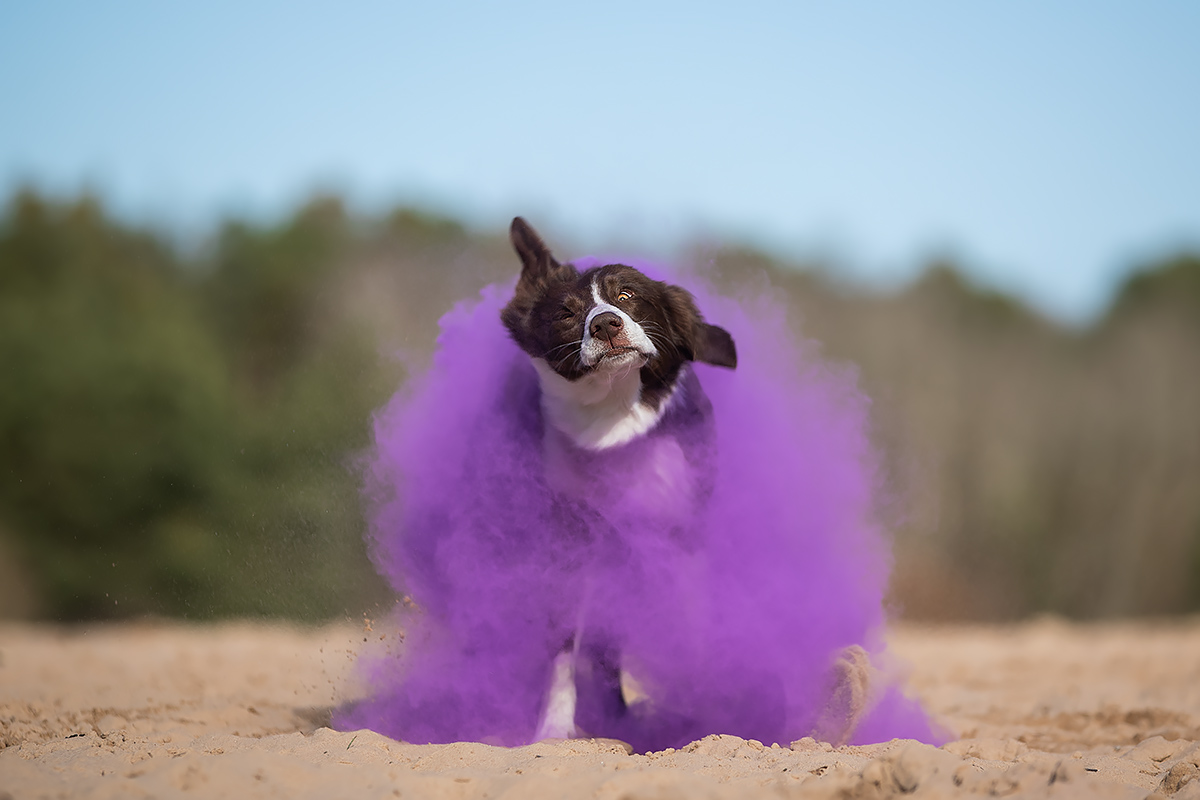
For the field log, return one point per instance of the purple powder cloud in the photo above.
(728, 623)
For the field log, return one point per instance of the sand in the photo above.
(1040, 709)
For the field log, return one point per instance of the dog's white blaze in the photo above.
(593, 349)
(558, 720)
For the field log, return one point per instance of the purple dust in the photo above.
(732, 631)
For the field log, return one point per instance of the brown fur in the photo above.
(546, 315)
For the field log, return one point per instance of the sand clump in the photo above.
(1041, 709)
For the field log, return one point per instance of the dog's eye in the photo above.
(624, 295)
(564, 314)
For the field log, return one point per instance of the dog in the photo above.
(613, 350)
(594, 548)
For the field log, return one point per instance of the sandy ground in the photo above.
(1041, 709)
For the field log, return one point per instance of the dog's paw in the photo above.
(850, 687)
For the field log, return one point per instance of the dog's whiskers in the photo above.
(657, 336)
(565, 344)
(575, 357)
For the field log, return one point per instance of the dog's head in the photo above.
(606, 318)
(595, 326)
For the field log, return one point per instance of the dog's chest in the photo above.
(658, 479)
(649, 480)
(597, 412)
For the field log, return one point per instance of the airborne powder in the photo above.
(730, 627)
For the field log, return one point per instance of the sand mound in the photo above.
(1038, 710)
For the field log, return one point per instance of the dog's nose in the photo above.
(606, 325)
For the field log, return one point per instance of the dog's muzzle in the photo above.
(611, 333)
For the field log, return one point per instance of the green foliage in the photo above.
(1170, 286)
(180, 435)
(178, 444)
(264, 289)
(114, 402)
(420, 230)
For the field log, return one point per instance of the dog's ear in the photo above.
(536, 262)
(715, 346)
(696, 339)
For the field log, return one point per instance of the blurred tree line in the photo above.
(1033, 467)
(179, 432)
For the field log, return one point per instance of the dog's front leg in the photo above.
(558, 719)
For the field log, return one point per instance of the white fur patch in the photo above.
(602, 409)
(558, 720)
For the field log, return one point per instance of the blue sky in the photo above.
(1048, 145)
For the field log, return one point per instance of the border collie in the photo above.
(612, 348)
(628, 435)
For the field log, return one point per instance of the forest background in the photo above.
(180, 426)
